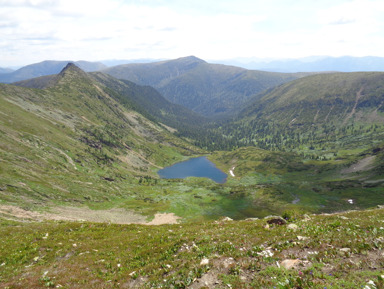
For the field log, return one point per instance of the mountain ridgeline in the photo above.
(47, 67)
(208, 89)
(68, 141)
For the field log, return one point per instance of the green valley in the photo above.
(94, 141)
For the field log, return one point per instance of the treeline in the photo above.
(276, 137)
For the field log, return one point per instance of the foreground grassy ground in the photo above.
(320, 251)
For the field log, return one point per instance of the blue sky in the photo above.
(36, 30)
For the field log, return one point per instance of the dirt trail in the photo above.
(116, 216)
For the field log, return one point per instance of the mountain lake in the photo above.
(195, 167)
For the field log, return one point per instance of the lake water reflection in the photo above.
(196, 167)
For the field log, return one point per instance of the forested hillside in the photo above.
(326, 112)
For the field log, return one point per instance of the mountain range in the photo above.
(311, 64)
(47, 67)
(208, 89)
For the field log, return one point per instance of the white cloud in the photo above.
(34, 30)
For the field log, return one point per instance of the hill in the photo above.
(143, 99)
(315, 113)
(47, 67)
(208, 89)
(153, 105)
(73, 143)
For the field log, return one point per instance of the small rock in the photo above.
(345, 250)
(344, 217)
(74, 245)
(306, 218)
(293, 227)
(290, 263)
(266, 253)
(226, 219)
(302, 238)
(132, 273)
(204, 262)
(228, 262)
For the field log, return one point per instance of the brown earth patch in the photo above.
(115, 215)
(362, 165)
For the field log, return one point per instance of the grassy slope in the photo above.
(241, 254)
(61, 144)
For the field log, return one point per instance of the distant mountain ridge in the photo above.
(47, 67)
(313, 64)
(208, 89)
(5, 70)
